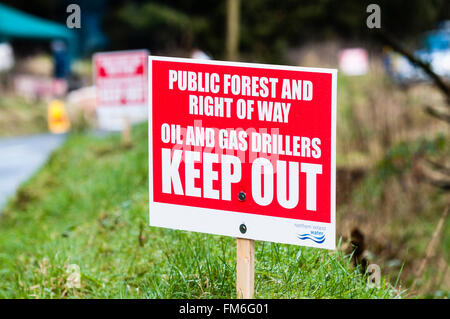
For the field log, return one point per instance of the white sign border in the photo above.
(220, 222)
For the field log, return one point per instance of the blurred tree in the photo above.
(153, 26)
(48, 9)
(267, 27)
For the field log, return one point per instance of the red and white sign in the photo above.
(354, 61)
(121, 81)
(243, 150)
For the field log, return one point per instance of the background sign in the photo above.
(244, 150)
(121, 81)
(354, 61)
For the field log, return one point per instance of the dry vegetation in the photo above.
(21, 117)
(387, 190)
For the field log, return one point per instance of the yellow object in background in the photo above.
(58, 121)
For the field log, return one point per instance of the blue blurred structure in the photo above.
(90, 35)
(18, 24)
(85, 40)
(435, 51)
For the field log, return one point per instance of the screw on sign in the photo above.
(243, 150)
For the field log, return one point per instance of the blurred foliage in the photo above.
(397, 164)
(19, 116)
(267, 26)
(400, 158)
(152, 25)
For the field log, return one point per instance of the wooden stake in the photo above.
(232, 44)
(126, 132)
(245, 268)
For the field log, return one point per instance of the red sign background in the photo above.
(306, 118)
(121, 78)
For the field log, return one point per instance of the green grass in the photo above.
(89, 206)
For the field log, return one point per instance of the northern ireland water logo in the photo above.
(316, 236)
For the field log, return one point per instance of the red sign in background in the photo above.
(121, 78)
(306, 118)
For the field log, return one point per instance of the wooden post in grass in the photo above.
(245, 268)
(245, 248)
(126, 132)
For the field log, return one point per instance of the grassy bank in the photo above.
(89, 206)
(21, 117)
(388, 181)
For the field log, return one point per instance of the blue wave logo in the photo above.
(316, 239)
